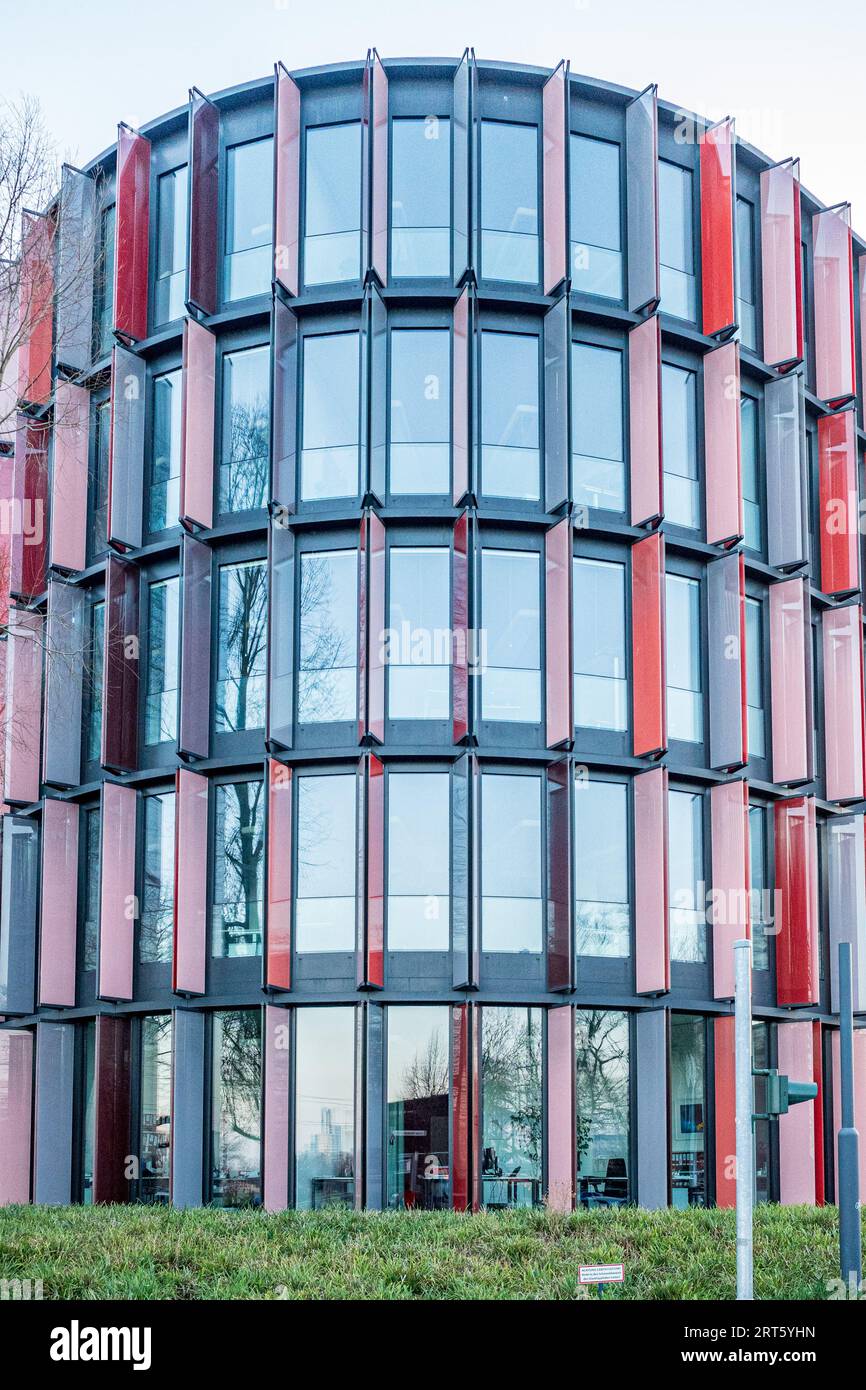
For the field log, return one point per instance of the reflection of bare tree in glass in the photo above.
(428, 1073)
(240, 851)
(157, 908)
(511, 1068)
(239, 1136)
(325, 648)
(243, 647)
(602, 1075)
(245, 473)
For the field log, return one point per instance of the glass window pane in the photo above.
(97, 530)
(745, 261)
(238, 869)
(160, 701)
(683, 645)
(155, 1135)
(419, 1086)
(244, 460)
(331, 415)
(510, 458)
(89, 907)
(676, 241)
(512, 1108)
(761, 906)
(242, 647)
(88, 1109)
(688, 1111)
(157, 890)
(421, 197)
(601, 1040)
(755, 679)
(509, 202)
(511, 873)
(93, 684)
(597, 444)
(419, 861)
(249, 215)
(418, 640)
(420, 444)
(511, 636)
(332, 210)
(596, 223)
(752, 499)
(236, 1110)
(164, 491)
(327, 855)
(761, 1128)
(171, 245)
(327, 678)
(679, 447)
(687, 891)
(325, 1108)
(602, 914)
(103, 284)
(600, 685)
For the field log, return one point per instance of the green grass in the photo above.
(140, 1252)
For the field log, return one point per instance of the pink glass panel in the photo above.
(69, 480)
(279, 934)
(287, 147)
(7, 494)
(652, 953)
(59, 899)
(376, 612)
(725, 1111)
(197, 425)
(645, 421)
(649, 724)
(834, 305)
(16, 1105)
(132, 234)
(460, 400)
(843, 703)
(277, 1068)
(190, 883)
(839, 511)
(797, 964)
(560, 1109)
(117, 892)
(460, 625)
(717, 228)
(729, 810)
(29, 517)
(558, 627)
(859, 1096)
(554, 135)
(781, 266)
(23, 701)
(789, 704)
(35, 295)
(375, 812)
(797, 1128)
(724, 490)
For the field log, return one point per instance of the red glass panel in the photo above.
(287, 179)
(790, 681)
(560, 944)
(377, 624)
(35, 306)
(645, 422)
(561, 1119)
(781, 265)
(460, 446)
(797, 1149)
(197, 426)
(132, 234)
(68, 548)
(120, 666)
(839, 510)
(726, 1129)
(554, 105)
(190, 883)
(23, 702)
(797, 973)
(16, 1109)
(843, 703)
(729, 812)
(834, 305)
(374, 963)
(278, 966)
(460, 626)
(29, 519)
(652, 949)
(460, 1106)
(649, 723)
(59, 903)
(717, 228)
(117, 910)
(379, 195)
(204, 144)
(277, 1067)
(112, 1108)
(724, 489)
(558, 628)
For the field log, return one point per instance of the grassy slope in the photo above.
(136, 1252)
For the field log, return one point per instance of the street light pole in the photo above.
(744, 1103)
(850, 1262)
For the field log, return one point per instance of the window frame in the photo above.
(315, 971)
(397, 91)
(595, 120)
(613, 339)
(416, 731)
(240, 127)
(686, 157)
(506, 734)
(688, 753)
(686, 361)
(403, 966)
(526, 968)
(319, 110)
(694, 978)
(232, 975)
(608, 551)
(446, 1009)
(152, 979)
(239, 339)
(608, 972)
(520, 111)
(210, 1081)
(159, 367)
(337, 735)
(245, 742)
(523, 322)
(164, 567)
(431, 317)
(346, 320)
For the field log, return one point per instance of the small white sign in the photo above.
(602, 1274)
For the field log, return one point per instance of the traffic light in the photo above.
(780, 1092)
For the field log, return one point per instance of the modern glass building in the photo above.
(444, 640)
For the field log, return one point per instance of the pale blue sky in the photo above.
(791, 71)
